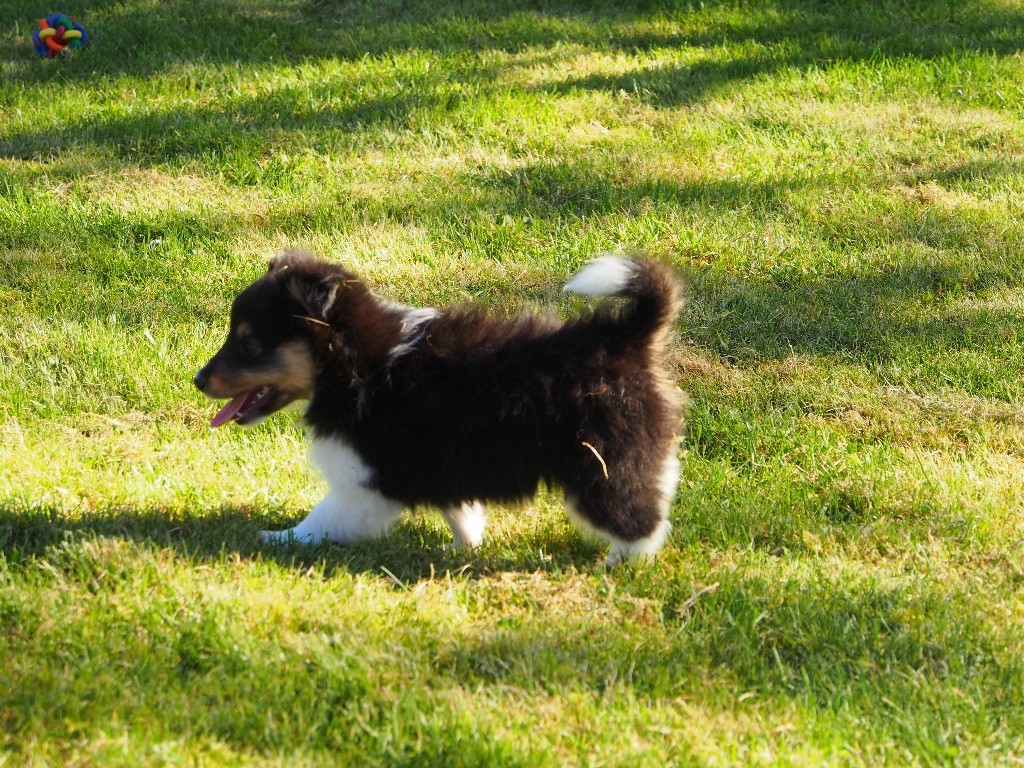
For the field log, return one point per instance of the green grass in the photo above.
(841, 184)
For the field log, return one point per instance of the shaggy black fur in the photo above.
(464, 406)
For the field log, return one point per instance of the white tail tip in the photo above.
(603, 276)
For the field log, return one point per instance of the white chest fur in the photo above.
(350, 511)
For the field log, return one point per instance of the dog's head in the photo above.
(269, 359)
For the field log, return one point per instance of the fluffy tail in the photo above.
(654, 291)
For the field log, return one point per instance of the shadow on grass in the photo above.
(870, 314)
(414, 549)
(580, 190)
(825, 641)
(141, 39)
(811, 631)
(767, 37)
(234, 130)
(917, 283)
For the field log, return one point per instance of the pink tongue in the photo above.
(227, 413)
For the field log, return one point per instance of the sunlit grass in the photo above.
(840, 185)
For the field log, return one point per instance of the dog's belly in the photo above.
(490, 436)
(445, 480)
(457, 468)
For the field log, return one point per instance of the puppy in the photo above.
(452, 408)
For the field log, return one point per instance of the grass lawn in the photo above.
(841, 183)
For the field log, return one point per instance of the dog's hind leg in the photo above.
(651, 544)
(635, 524)
(467, 523)
(621, 550)
(622, 546)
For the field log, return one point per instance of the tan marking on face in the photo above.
(292, 372)
(297, 371)
(243, 330)
(216, 387)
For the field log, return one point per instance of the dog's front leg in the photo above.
(352, 510)
(346, 515)
(467, 523)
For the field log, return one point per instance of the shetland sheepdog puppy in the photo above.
(411, 406)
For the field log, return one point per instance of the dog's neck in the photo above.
(413, 325)
(363, 340)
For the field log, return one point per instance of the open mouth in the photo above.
(244, 408)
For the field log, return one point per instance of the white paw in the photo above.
(615, 557)
(467, 522)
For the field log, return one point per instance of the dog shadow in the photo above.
(417, 548)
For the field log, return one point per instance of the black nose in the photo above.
(201, 379)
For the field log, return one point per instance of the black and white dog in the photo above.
(452, 408)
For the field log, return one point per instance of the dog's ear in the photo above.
(293, 259)
(313, 283)
(316, 294)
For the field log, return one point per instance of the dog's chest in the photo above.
(339, 463)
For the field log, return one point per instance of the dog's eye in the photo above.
(250, 349)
